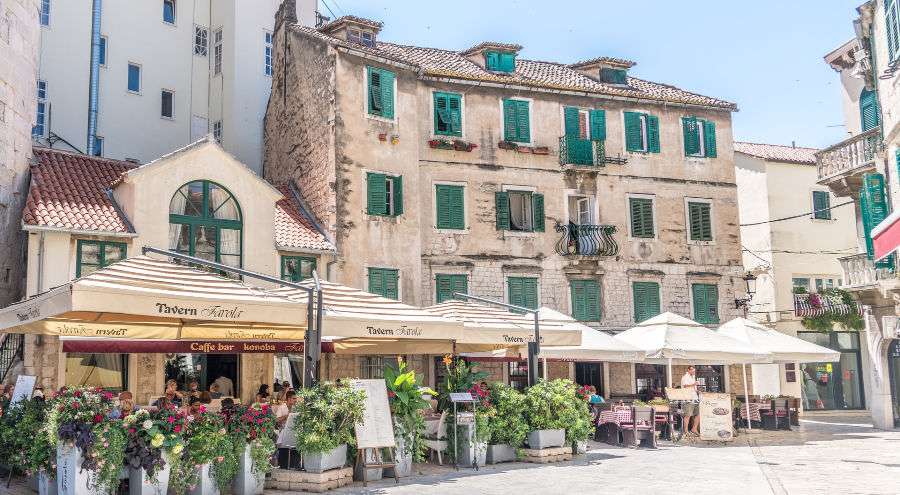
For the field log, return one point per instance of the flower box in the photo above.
(507, 145)
(319, 462)
(500, 453)
(70, 478)
(524, 149)
(440, 144)
(140, 484)
(206, 484)
(248, 481)
(546, 439)
(541, 150)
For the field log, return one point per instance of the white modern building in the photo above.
(135, 79)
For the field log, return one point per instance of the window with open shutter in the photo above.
(501, 205)
(700, 221)
(448, 114)
(376, 194)
(652, 133)
(384, 282)
(691, 131)
(522, 291)
(874, 208)
(446, 285)
(641, 217)
(449, 201)
(537, 203)
(572, 125)
(381, 92)
(709, 138)
(634, 132)
(598, 125)
(868, 109)
(646, 300)
(821, 205)
(706, 303)
(397, 191)
(585, 300)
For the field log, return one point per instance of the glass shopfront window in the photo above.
(833, 386)
(650, 380)
(207, 369)
(107, 371)
(590, 374)
(711, 378)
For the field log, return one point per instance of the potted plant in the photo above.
(541, 150)
(253, 430)
(407, 403)
(206, 443)
(555, 414)
(24, 447)
(324, 424)
(464, 377)
(507, 145)
(90, 446)
(578, 417)
(659, 404)
(153, 440)
(507, 426)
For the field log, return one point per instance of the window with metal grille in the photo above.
(218, 42)
(372, 367)
(169, 11)
(167, 107)
(201, 40)
(268, 54)
(39, 129)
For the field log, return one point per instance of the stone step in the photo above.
(548, 452)
(289, 480)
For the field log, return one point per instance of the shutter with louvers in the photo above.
(391, 287)
(706, 303)
(691, 136)
(492, 60)
(868, 109)
(699, 297)
(507, 62)
(646, 300)
(442, 206)
(821, 203)
(634, 140)
(454, 104)
(585, 300)
(598, 125)
(652, 134)
(571, 121)
(376, 281)
(709, 138)
(501, 204)
(376, 193)
(398, 195)
(510, 108)
(537, 203)
(441, 114)
(516, 291)
(447, 285)
(522, 122)
(700, 221)
(579, 308)
(529, 288)
(874, 208)
(641, 217)
(375, 93)
(387, 94)
(457, 208)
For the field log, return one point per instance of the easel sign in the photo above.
(682, 394)
(377, 430)
(715, 417)
(24, 389)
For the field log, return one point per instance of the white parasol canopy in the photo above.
(784, 348)
(595, 345)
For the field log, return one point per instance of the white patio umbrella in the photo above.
(596, 345)
(670, 338)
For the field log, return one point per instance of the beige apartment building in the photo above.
(575, 186)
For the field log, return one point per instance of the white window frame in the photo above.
(812, 204)
(701, 132)
(462, 117)
(687, 221)
(174, 13)
(389, 194)
(365, 274)
(140, 78)
(532, 190)
(218, 51)
(653, 208)
(466, 227)
(594, 205)
(205, 36)
(581, 111)
(104, 41)
(530, 119)
(172, 93)
(365, 91)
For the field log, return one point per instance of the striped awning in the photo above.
(146, 298)
(485, 324)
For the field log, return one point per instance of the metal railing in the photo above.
(858, 152)
(10, 352)
(860, 271)
(577, 151)
(586, 240)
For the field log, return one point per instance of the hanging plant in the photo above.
(834, 307)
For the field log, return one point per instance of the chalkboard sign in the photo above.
(715, 417)
(376, 430)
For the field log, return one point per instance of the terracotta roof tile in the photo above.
(293, 229)
(68, 191)
(492, 44)
(537, 74)
(778, 153)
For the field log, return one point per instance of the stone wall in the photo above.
(19, 43)
(558, 369)
(621, 378)
(41, 358)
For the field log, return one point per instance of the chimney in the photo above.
(793, 144)
(287, 12)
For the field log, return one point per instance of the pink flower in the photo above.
(177, 428)
(171, 419)
(259, 421)
(202, 408)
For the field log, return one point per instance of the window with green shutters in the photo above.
(892, 28)
(700, 221)
(874, 209)
(450, 206)
(448, 114)
(646, 300)
(380, 92)
(641, 210)
(868, 109)
(297, 268)
(641, 132)
(585, 300)
(384, 194)
(384, 282)
(699, 137)
(516, 121)
(523, 292)
(500, 61)
(613, 76)
(821, 205)
(94, 255)
(446, 285)
(706, 303)
(519, 211)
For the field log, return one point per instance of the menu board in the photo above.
(24, 388)
(715, 417)
(376, 430)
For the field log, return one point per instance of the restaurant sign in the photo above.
(181, 346)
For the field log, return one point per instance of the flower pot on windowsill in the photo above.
(524, 149)
(546, 439)
(248, 481)
(206, 484)
(139, 483)
(459, 145)
(319, 462)
(500, 453)
(507, 145)
(541, 150)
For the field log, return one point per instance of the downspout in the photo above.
(94, 87)
(40, 267)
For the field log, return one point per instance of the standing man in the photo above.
(692, 409)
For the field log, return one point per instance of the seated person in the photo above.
(205, 397)
(214, 391)
(193, 406)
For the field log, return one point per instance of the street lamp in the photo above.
(744, 302)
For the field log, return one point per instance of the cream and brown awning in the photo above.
(146, 298)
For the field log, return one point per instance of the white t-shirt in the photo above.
(281, 410)
(688, 381)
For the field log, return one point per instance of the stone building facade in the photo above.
(19, 42)
(498, 170)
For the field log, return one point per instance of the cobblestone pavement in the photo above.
(827, 454)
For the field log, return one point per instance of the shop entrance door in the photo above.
(590, 374)
(206, 369)
(834, 386)
(893, 361)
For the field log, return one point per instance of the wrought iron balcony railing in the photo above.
(857, 153)
(586, 240)
(574, 151)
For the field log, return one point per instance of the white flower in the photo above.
(147, 424)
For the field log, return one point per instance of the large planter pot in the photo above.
(44, 484)
(546, 439)
(319, 462)
(471, 451)
(403, 460)
(70, 478)
(206, 484)
(247, 481)
(140, 484)
(500, 453)
(371, 474)
(579, 447)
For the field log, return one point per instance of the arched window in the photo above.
(868, 110)
(205, 221)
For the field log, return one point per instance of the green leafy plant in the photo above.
(556, 404)
(507, 425)
(20, 448)
(407, 404)
(326, 415)
(206, 439)
(460, 377)
(849, 319)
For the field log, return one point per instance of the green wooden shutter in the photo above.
(537, 203)
(641, 217)
(652, 133)
(529, 288)
(492, 60)
(709, 138)
(447, 285)
(523, 130)
(516, 291)
(507, 62)
(501, 204)
(706, 303)
(868, 109)
(441, 114)
(398, 195)
(391, 286)
(509, 120)
(585, 300)
(646, 300)
(821, 203)
(598, 125)
(454, 105)
(450, 207)
(376, 281)
(634, 139)
(691, 136)
(376, 193)
(572, 128)
(442, 206)
(375, 93)
(873, 206)
(890, 26)
(700, 221)
(387, 94)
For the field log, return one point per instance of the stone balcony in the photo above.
(841, 167)
(872, 283)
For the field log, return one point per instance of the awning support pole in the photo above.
(746, 396)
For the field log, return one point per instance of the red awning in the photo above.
(105, 346)
(886, 236)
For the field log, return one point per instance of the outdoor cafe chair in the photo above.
(776, 417)
(641, 430)
(439, 444)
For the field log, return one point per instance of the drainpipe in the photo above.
(40, 262)
(94, 88)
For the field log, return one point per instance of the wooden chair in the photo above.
(642, 428)
(777, 417)
(439, 444)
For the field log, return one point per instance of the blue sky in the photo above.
(765, 55)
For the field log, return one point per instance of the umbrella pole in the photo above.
(669, 373)
(746, 395)
(545, 368)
